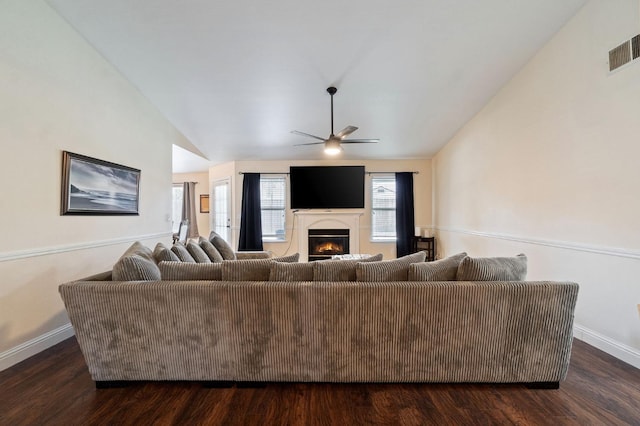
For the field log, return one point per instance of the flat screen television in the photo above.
(327, 187)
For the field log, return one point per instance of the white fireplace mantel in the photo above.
(306, 220)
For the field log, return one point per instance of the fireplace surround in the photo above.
(314, 220)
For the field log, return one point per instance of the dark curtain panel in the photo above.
(189, 208)
(250, 217)
(405, 225)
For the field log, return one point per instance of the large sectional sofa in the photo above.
(274, 320)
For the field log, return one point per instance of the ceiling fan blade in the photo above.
(295, 132)
(310, 143)
(346, 131)
(360, 141)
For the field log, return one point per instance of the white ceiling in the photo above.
(235, 77)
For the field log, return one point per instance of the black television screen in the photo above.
(327, 187)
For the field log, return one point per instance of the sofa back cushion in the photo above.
(388, 270)
(292, 258)
(439, 270)
(212, 253)
(246, 270)
(136, 264)
(291, 272)
(339, 270)
(186, 271)
(493, 268)
(197, 253)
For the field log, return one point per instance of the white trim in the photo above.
(46, 251)
(607, 251)
(614, 348)
(34, 346)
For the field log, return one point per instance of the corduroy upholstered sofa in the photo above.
(225, 330)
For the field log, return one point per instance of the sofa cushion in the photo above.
(222, 246)
(292, 258)
(291, 272)
(182, 253)
(212, 252)
(439, 270)
(162, 252)
(246, 270)
(493, 268)
(334, 270)
(136, 264)
(339, 270)
(388, 270)
(186, 271)
(197, 253)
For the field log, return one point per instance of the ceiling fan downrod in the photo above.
(332, 91)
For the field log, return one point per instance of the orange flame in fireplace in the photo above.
(329, 247)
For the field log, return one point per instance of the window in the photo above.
(383, 208)
(176, 206)
(272, 204)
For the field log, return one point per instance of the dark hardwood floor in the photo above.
(54, 388)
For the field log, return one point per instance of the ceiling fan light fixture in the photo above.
(332, 147)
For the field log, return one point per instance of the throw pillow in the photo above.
(493, 268)
(438, 270)
(182, 253)
(197, 253)
(184, 271)
(388, 270)
(246, 270)
(162, 252)
(291, 272)
(212, 252)
(223, 247)
(136, 264)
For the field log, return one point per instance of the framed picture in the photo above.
(96, 187)
(204, 203)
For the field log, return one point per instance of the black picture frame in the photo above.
(96, 187)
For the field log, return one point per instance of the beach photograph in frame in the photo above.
(92, 186)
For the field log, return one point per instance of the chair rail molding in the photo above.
(603, 250)
(46, 251)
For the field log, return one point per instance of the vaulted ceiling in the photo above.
(235, 77)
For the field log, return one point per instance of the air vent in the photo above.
(619, 56)
(635, 47)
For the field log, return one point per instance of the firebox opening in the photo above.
(324, 243)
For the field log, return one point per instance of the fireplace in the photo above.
(324, 243)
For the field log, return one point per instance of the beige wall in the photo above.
(422, 194)
(57, 93)
(550, 168)
(202, 187)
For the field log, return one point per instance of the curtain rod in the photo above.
(265, 173)
(180, 183)
(390, 173)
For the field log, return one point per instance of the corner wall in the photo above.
(57, 93)
(550, 168)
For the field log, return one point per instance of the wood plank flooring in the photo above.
(54, 388)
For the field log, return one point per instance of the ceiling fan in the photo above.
(332, 145)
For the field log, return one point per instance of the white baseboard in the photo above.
(31, 347)
(610, 346)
